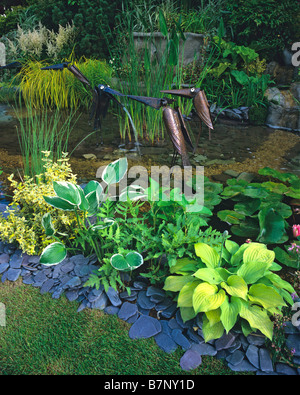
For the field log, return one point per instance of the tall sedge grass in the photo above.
(61, 89)
(43, 130)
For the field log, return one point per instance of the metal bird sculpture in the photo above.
(12, 65)
(201, 108)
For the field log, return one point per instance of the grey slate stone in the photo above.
(13, 274)
(145, 327)
(256, 340)
(285, 369)
(169, 311)
(101, 302)
(204, 349)
(252, 355)
(39, 279)
(111, 310)
(72, 294)
(46, 287)
(235, 358)
(180, 339)
(225, 341)
(265, 360)
(95, 293)
(165, 342)
(127, 310)
(144, 301)
(190, 360)
(3, 267)
(244, 366)
(113, 296)
(4, 258)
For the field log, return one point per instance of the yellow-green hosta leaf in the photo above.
(206, 297)
(266, 296)
(175, 283)
(236, 286)
(253, 271)
(279, 282)
(229, 313)
(258, 253)
(208, 255)
(185, 297)
(211, 332)
(213, 316)
(257, 317)
(212, 276)
(183, 266)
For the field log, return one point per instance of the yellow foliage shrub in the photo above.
(23, 223)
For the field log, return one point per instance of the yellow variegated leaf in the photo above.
(206, 297)
(175, 283)
(236, 286)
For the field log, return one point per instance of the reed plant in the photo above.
(41, 131)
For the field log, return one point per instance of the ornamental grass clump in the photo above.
(23, 224)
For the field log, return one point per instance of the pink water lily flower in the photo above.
(296, 230)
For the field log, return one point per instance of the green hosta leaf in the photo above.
(59, 203)
(213, 316)
(131, 261)
(236, 286)
(184, 266)
(206, 297)
(47, 224)
(187, 313)
(279, 282)
(162, 24)
(115, 171)
(247, 208)
(229, 313)
(258, 253)
(185, 297)
(230, 216)
(207, 254)
(264, 295)
(253, 271)
(272, 226)
(212, 276)
(211, 332)
(257, 317)
(175, 283)
(53, 254)
(285, 258)
(84, 203)
(67, 191)
(231, 246)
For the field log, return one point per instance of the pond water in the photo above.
(240, 147)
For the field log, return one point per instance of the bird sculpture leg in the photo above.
(174, 128)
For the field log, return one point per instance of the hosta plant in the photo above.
(231, 285)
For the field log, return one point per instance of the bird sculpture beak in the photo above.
(188, 93)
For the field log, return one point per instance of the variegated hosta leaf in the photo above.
(207, 254)
(229, 313)
(265, 296)
(206, 297)
(236, 286)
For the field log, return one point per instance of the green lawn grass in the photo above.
(45, 336)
